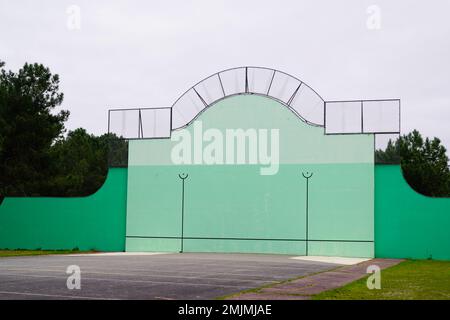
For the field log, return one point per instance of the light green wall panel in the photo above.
(341, 249)
(341, 202)
(233, 208)
(252, 206)
(220, 201)
(154, 201)
(93, 222)
(245, 246)
(408, 224)
(153, 245)
(237, 202)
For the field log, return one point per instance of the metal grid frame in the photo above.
(139, 124)
(361, 101)
(247, 91)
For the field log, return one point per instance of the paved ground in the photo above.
(305, 288)
(164, 276)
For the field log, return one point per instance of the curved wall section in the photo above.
(408, 224)
(95, 222)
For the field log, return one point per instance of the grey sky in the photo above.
(147, 53)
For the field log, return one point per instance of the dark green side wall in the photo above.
(93, 222)
(408, 224)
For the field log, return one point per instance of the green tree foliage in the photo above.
(36, 159)
(391, 155)
(28, 127)
(424, 163)
(81, 162)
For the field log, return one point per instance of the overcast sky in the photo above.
(147, 53)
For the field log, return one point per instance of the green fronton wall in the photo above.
(233, 208)
(93, 222)
(408, 224)
(355, 208)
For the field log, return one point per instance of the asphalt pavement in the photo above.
(192, 276)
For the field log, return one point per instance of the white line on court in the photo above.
(335, 260)
(113, 254)
(157, 268)
(91, 269)
(127, 280)
(202, 276)
(53, 295)
(249, 266)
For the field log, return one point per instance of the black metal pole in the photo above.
(183, 177)
(307, 176)
(307, 213)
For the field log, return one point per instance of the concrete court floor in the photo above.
(148, 276)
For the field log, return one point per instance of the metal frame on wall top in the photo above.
(140, 128)
(362, 131)
(246, 89)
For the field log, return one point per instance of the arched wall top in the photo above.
(290, 91)
(381, 116)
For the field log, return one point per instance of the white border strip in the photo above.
(335, 260)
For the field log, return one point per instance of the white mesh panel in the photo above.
(186, 108)
(233, 81)
(343, 117)
(259, 80)
(155, 123)
(309, 105)
(124, 123)
(381, 116)
(210, 89)
(283, 86)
